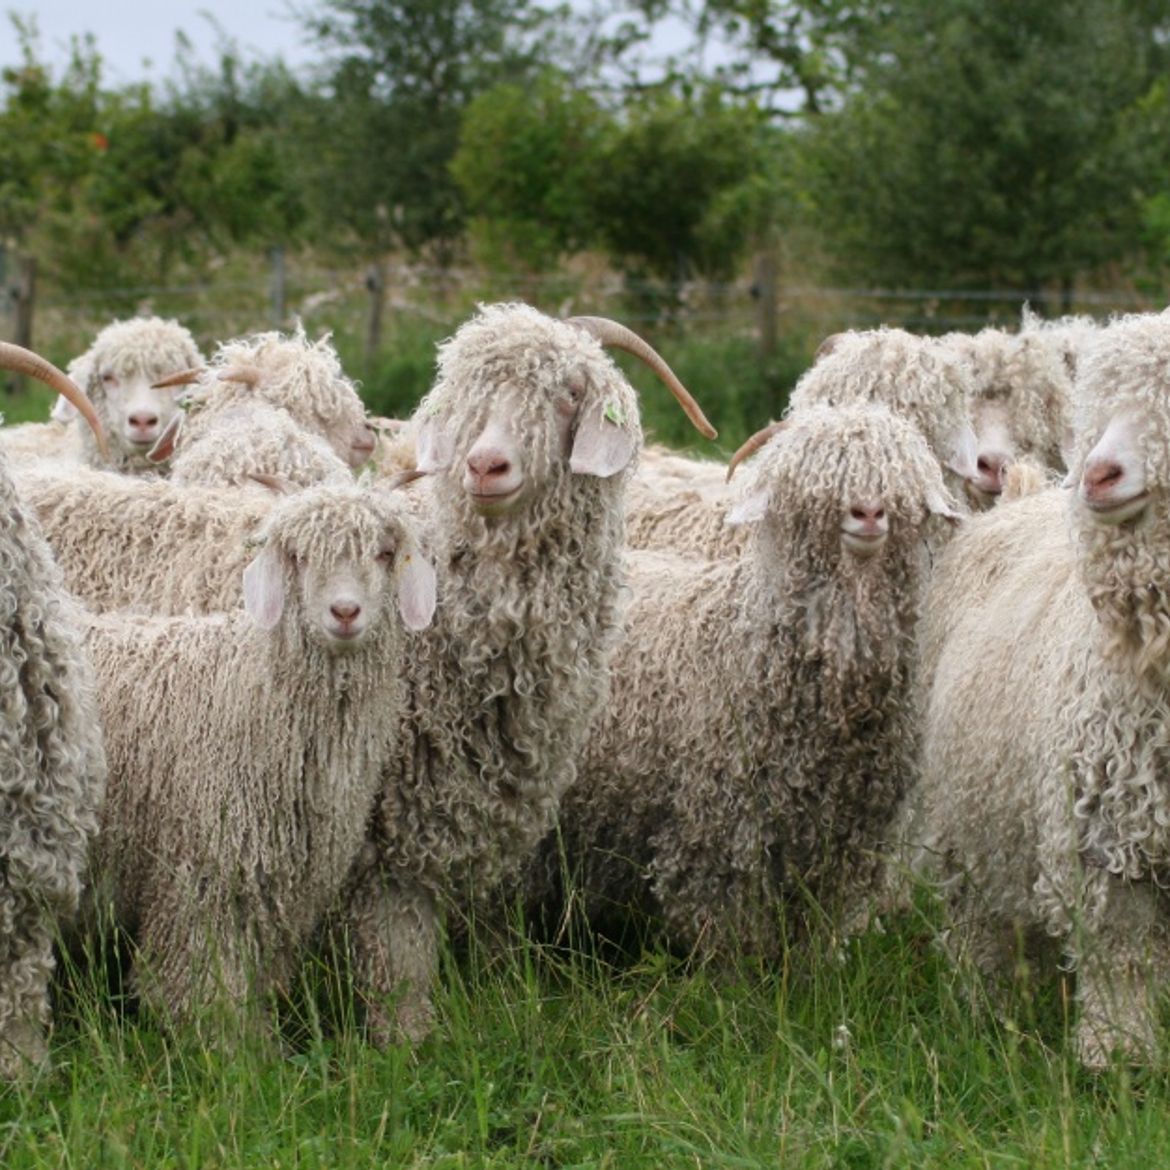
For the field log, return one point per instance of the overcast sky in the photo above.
(136, 38)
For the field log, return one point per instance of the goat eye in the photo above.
(386, 556)
(108, 378)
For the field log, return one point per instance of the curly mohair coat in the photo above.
(761, 726)
(52, 775)
(246, 441)
(245, 749)
(220, 444)
(1048, 816)
(145, 544)
(1022, 397)
(915, 377)
(125, 355)
(503, 688)
(918, 378)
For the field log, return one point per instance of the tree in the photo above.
(992, 143)
(675, 189)
(523, 164)
(382, 128)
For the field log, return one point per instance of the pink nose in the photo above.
(991, 468)
(345, 611)
(869, 516)
(1101, 476)
(143, 422)
(488, 463)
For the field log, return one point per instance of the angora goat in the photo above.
(1047, 733)
(269, 404)
(530, 434)
(913, 376)
(52, 767)
(1021, 407)
(761, 724)
(245, 749)
(117, 372)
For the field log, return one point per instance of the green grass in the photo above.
(866, 1056)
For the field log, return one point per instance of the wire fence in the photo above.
(281, 290)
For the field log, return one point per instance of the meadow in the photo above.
(868, 1052)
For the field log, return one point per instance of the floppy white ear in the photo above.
(168, 439)
(433, 446)
(749, 509)
(938, 504)
(963, 451)
(605, 443)
(264, 589)
(416, 590)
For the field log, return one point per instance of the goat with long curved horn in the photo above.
(752, 445)
(24, 361)
(610, 332)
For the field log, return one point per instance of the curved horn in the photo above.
(753, 445)
(827, 346)
(24, 361)
(402, 478)
(611, 333)
(248, 375)
(179, 378)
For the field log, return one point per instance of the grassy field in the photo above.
(868, 1054)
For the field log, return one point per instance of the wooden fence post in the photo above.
(21, 295)
(376, 287)
(276, 288)
(764, 282)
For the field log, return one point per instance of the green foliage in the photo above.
(992, 143)
(387, 116)
(739, 391)
(664, 176)
(525, 156)
(48, 133)
(113, 187)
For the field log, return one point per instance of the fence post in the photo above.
(22, 297)
(764, 282)
(376, 287)
(276, 290)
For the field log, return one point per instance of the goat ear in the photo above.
(940, 504)
(264, 588)
(79, 370)
(168, 440)
(749, 510)
(433, 447)
(963, 450)
(416, 589)
(605, 442)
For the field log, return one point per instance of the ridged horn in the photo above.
(24, 361)
(612, 333)
(753, 444)
(248, 375)
(179, 378)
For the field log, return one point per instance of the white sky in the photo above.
(136, 38)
